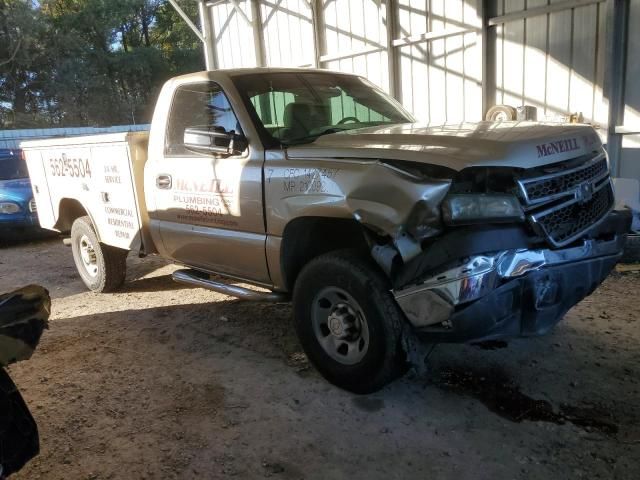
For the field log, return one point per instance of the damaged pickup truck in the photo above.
(320, 188)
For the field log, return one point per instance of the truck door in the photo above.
(208, 207)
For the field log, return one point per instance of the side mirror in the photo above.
(212, 139)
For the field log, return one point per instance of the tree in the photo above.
(21, 58)
(89, 62)
(179, 45)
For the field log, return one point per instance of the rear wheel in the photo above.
(101, 267)
(348, 323)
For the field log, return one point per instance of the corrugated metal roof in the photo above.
(11, 138)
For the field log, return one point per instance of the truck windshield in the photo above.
(12, 166)
(298, 107)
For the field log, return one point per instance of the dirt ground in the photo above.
(163, 381)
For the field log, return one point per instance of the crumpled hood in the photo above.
(16, 190)
(502, 144)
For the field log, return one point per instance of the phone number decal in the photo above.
(70, 167)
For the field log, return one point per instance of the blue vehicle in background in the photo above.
(17, 207)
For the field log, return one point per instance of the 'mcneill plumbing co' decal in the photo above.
(214, 186)
(544, 150)
(561, 146)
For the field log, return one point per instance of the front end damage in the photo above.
(513, 292)
(506, 252)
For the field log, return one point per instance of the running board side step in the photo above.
(200, 279)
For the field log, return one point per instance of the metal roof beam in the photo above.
(186, 18)
(532, 12)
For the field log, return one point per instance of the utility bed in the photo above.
(104, 173)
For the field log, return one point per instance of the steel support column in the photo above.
(210, 58)
(618, 27)
(317, 22)
(258, 33)
(487, 9)
(391, 14)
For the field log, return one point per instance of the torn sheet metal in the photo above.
(433, 300)
(24, 315)
(389, 200)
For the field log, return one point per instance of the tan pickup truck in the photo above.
(320, 188)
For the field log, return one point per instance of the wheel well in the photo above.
(68, 211)
(308, 237)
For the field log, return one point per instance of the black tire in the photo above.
(501, 113)
(631, 252)
(106, 270)
(384, 359)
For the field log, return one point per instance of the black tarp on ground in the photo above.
(23, 318)
(19, 441)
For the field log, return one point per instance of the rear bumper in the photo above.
(511, 293)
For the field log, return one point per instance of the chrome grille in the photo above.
(562, 225)
(548, 187)
(32, 205)
(562, 205)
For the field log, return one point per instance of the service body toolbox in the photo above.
(103, 173)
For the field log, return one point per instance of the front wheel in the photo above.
(348, 323)
(101, 267)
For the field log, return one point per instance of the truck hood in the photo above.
(486, 144)
(16, 190)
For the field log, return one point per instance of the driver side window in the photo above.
(198, 105)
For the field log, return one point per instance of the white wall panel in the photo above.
(535, 58)
(414, 66)
(288, 32)
(632, 89)
(437, 66)
(513, 40)
(440, 77)
(630, 161)
(583, 92)
(559, 65)
(353, 26)
(552, 61)
(233, 36)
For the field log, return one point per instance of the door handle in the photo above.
(163, 182)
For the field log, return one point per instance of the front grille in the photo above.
(538, 190)
(562, 205)
(32, 206)
(563, 224)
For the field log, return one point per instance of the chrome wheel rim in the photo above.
(88, 256)
(340, 326)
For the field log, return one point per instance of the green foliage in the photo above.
(89, 62)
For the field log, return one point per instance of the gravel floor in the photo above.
(161, 381)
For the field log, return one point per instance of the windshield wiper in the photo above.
(336, 129)
(327, 131)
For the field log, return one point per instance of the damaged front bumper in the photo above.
(510, 293)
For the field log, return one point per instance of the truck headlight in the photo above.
(9, 207)
(465, 209)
